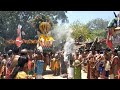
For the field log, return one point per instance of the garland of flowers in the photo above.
(28, 42)
(24, 41)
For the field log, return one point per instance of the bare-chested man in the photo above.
(39, 64)
(15, 58)
(115, 64)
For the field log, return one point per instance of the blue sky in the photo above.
(85, 16)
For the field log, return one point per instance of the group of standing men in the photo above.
(100, 64)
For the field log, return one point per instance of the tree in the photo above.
(97, 27)
(101, 33)
(10, 19)
(80, 29)
(2, 44)
(97, 24)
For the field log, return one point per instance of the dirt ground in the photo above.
(50, 75)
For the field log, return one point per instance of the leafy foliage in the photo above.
(80, 29)
(2, 44)
(10, 19)
(99, 33)
(91, 30)
(97, 24)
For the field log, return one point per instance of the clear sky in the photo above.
(85, 16)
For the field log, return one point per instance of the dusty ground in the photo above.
(50, 75)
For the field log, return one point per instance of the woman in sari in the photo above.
(56, 65)
(30, 63)
(115, 64)
(91, 62)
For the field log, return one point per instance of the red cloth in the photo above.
(115, 60)
(18, 41)
(109, 40)
(8, 73)
(119, 74)
(29, 64)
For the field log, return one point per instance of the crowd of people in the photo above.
(23, 64)
(29, 64)
(101, 64)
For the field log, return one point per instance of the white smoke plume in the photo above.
(61, 31)
(59, 34)
(69, 45)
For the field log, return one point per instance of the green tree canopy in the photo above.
(80, 29)
(97, 24)
(2, 44)
(9, 21)
(101, 33)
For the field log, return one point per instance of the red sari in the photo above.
(115, 66)
(29, 64)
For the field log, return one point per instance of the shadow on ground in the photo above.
(47, 72)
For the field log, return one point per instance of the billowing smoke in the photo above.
(68, 50)
(59, 34)
(69, 45)
(63, 33)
